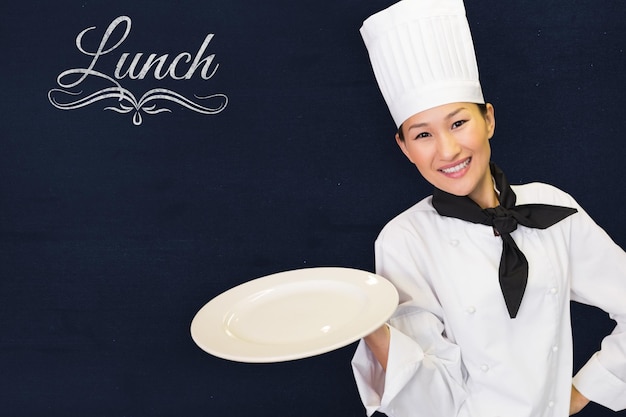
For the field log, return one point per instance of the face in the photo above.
(449, 145)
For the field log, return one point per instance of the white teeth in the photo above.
(456, 168)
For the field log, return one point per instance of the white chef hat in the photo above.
(422, 56)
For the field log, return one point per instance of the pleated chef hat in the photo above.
(422, 56)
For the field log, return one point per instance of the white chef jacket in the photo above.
(454, 350)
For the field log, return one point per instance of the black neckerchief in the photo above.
(513, 271)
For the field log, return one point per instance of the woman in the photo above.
(485, 271)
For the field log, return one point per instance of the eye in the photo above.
(422, 135)
(458, 123)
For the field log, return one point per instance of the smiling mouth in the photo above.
(456, 168)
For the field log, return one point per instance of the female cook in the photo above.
(485, 270)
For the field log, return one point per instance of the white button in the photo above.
(471, 310)
(454, 242)
(554, 290)
(555, 348)
(551, 404)
(484, 368)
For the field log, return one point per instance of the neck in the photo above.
(487, 197)
(489, 201)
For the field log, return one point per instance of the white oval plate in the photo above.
(294, 314)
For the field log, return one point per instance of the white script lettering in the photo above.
(183, 66)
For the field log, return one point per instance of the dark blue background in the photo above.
(112, 235)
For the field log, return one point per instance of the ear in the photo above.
(490, 118)
(402, 146)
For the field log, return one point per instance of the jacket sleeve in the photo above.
(598, 271)
(424, 374)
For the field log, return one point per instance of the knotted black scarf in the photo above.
(513, 271)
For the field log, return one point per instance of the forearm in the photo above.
(378, 343)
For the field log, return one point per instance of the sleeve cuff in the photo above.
(378, 388)
(600, 386)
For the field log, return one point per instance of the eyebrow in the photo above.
(449, 116)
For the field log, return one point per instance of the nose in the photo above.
(448, 147)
